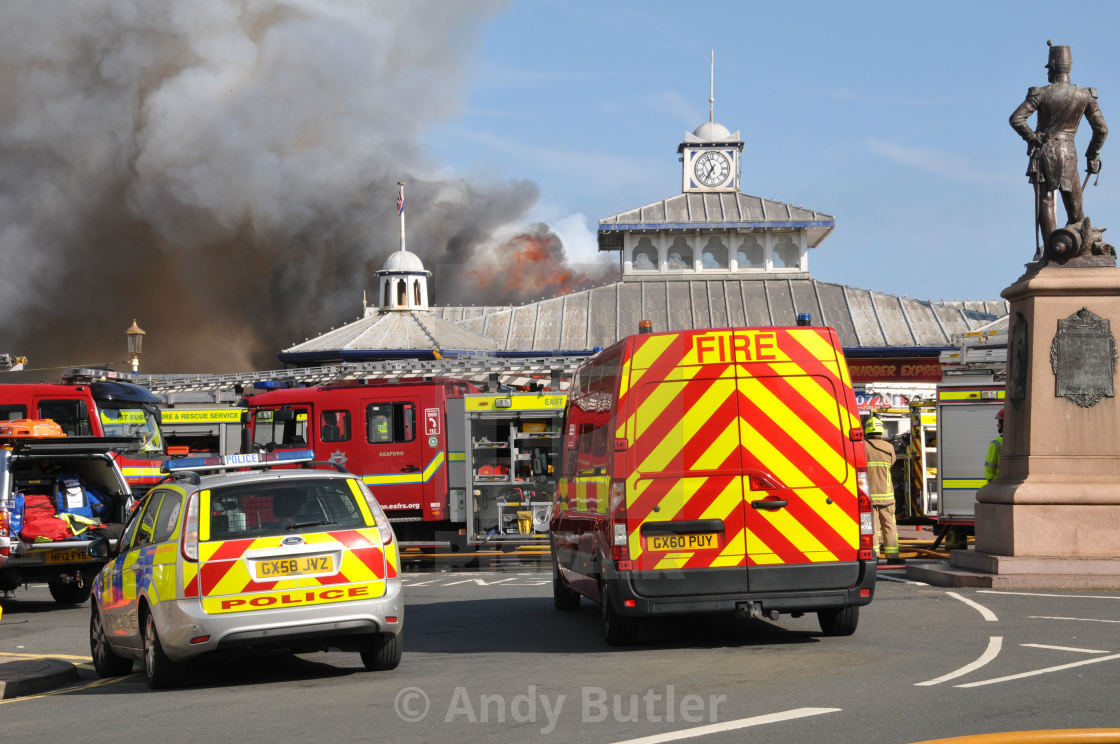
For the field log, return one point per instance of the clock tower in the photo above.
(710, 154)
(710, 159)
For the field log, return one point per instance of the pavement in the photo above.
(33, 675)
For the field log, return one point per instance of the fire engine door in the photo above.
(395, 465)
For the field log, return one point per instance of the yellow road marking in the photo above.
(44, 656)
(63, 690)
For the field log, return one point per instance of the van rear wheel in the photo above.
(563, 598)
(618, 629)
(839, 621)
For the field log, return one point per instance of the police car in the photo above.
(228, 553)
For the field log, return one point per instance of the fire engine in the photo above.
(100, 404)
(454, 455)
(968, 398)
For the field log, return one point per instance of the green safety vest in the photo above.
(991, 462)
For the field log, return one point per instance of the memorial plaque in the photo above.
(1083, 357)
(1017, 361)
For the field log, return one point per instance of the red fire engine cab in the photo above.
(395, 436)
(100, 408)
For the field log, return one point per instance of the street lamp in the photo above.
(135, 336)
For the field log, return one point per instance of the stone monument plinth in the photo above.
(1052, 517)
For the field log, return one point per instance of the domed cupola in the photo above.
(404, 282)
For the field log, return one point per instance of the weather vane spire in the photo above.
(400, 209)
(712, 90)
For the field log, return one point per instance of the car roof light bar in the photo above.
(250, 460)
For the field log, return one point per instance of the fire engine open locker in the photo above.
(505, 447)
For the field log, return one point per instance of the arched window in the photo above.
(715, 253)
(680, 255)
(402, 293)
(750, 254)
(645, 256)
(787, 255)
(385, 293)
(416, 292)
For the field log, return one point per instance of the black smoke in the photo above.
(224, 171)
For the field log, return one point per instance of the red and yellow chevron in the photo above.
(225, 580)
(706, 411)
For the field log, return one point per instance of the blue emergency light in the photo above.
(250, 460)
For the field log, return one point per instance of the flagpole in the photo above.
(400, 208)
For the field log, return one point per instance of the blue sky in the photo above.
(890, 116)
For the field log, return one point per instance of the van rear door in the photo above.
(685, 486)
(801, 510)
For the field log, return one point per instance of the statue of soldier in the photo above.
(1053, 159)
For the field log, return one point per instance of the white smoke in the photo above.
(225, 171)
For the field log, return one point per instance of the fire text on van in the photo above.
(742, 346)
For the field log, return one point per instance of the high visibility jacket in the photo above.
(880, 457)
(991, 462)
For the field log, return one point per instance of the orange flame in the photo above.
(534, 267)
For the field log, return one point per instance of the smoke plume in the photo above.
(225, 171)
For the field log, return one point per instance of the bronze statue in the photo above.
(1053, 159)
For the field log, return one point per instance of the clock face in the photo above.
(712, 168)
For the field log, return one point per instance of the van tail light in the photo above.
(189, 546)
(620, 536)
(4, 524)
(866, 525)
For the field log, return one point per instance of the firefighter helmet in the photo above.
(873, 426)
(1061, 58)
(999, 416)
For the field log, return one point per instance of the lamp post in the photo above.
(135, 336)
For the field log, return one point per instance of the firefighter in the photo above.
(880, 458)
(991, 461)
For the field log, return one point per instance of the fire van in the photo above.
(714, 471)
(99, 408)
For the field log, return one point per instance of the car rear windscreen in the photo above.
(282, 508)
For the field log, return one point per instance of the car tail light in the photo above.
(190, 529)
(620, 536)
(4, 523)
(375, 510)
(866, 525)
(382, 522)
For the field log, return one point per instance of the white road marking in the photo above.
(900, 581)
(478, 582)
(740, 723)
(1081, 619)
(1035, 594)
(1065, 648)
(1036, 672)
(984, 611)
(995, 643)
